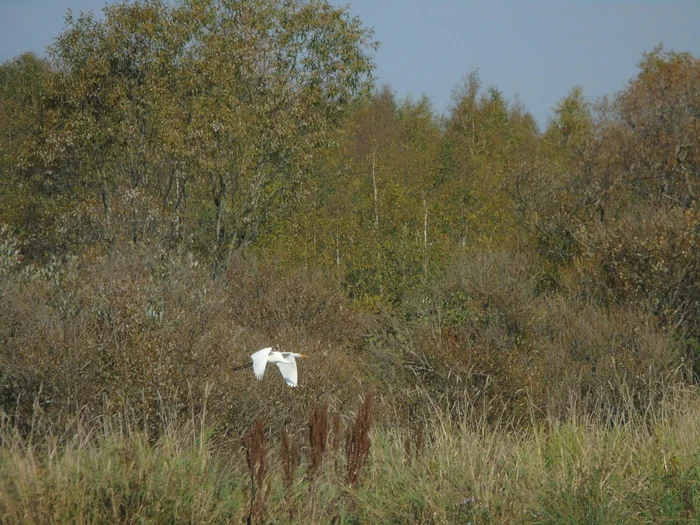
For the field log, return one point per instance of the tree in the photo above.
(572, 123)
(203, 114)
(485, 138)
(647, 251)
(32, 194)
(660, 110)
(372, 215)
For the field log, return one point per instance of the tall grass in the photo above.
(580, 470)
(112, 472)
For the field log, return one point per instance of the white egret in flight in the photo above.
(285, 361)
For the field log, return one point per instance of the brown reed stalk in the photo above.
(318, 438)
(290, 463)
(256, 458)
(336, 441)
(420, 441)
(357, 443)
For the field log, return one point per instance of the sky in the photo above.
(536, 50)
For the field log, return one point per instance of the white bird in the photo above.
(285, 361)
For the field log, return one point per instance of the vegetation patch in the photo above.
(502, 322)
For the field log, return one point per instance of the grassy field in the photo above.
(465, 470)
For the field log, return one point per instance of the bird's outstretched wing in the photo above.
(260, 362)
(288, 369)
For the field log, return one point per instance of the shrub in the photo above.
(650, 260)
(134, 332)
(490, 335)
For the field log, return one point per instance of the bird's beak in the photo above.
(302, 355)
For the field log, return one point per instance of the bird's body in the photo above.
(286, 363)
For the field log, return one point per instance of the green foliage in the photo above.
(190, 122)
(371, 215)
(485, 140)
(33, 193)
(572, 123)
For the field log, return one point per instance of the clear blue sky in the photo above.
(536, 49)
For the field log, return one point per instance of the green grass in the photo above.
(575, 471)
(114, 477)
(559, 472)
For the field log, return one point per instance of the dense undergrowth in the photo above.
(134, 331)
(493, 400)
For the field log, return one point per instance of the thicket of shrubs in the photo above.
(134, 331)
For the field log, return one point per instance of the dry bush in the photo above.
(650, 260)
(489, 336)
(131, 329)
(609, 361)
(273, 302)
(134, 332)
(466, 338)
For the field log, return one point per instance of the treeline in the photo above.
(238, 151)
